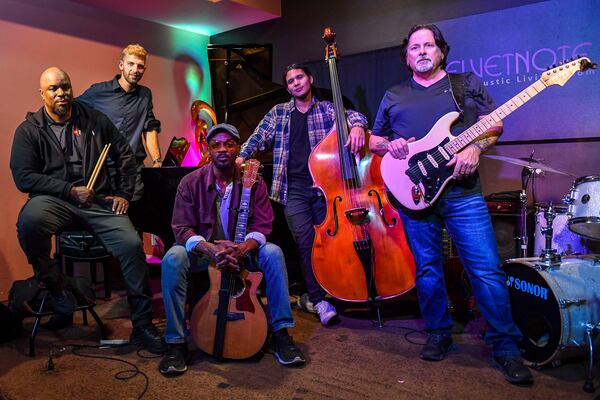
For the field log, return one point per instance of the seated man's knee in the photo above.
(272, 254)
(175, 260)
(33, 222)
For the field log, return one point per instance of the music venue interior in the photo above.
(221, 61)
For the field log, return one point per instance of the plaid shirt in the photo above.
(274, 131)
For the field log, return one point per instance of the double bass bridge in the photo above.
(357, 216)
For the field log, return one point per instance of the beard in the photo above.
(62, 110)
(224, 165)
(424, 65)
(132, 80)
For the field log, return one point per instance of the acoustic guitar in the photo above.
(418, 180)
(229, 321)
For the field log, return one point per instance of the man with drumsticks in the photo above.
(55, 157)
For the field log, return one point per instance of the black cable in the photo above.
(123, 375)
(411, 331)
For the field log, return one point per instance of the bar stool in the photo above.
(42, 310)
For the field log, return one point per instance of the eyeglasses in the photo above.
(229, 145)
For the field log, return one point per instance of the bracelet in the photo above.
(158, 160)
(359, 125)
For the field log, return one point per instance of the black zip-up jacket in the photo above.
(38, 164)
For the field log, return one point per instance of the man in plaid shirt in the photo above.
(301, 124)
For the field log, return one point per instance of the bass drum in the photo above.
(553, 305)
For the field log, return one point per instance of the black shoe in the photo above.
(513, 369)
(285, 351)
(173, 362)
(437, 347)
(63, 303)
(58, 321)
(148, 337)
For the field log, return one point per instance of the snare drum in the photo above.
(584, 207)
(552, 305)
(563, 240)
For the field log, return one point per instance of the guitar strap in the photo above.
(457, 88)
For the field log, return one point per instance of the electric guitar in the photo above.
(229, 321)
(418, 180)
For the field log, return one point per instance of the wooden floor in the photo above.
(352, 360)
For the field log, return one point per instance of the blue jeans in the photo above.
(469, 224)
(177, 264)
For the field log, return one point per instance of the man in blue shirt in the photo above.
(129, 106)
(406, 114)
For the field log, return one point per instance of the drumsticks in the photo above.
(98, 166)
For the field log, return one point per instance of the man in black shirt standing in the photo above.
(129, 106)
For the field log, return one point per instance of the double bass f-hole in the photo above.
(335, 217)
(382, 210)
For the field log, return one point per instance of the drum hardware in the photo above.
(531, 169)
(549, 255)
(562, 303)
(590, 331)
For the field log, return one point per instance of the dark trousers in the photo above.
(42, 216)
(306, 208)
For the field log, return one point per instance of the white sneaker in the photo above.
(326, 312)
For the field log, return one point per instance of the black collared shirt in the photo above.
(131, 112)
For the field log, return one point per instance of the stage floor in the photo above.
(354, 359)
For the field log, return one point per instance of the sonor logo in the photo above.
(527, 287)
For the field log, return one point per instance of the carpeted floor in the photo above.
(352, 360)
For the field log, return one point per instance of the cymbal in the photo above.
(528, 162)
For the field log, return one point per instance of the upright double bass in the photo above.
(360, 252)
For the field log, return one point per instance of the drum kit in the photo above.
(555, 296)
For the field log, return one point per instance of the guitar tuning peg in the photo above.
(572, 58)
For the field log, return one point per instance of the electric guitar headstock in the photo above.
(560, 74)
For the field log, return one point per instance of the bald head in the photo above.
(51, 74)
(57, 94)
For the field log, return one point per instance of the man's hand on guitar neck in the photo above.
(465, 162)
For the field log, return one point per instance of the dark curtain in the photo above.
(364, 77)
